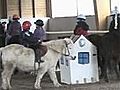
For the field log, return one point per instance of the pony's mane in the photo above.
(55, 44)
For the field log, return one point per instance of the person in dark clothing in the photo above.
(14, 31)
(28, 40)
(9, 22)
(81, 27)
(39, 32)
(115, 23)
(112, 23)
(2, 34)
(40, 35)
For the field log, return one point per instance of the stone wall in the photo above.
(40, 8)
(12, 7)
(26, 8)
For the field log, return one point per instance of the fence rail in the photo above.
(70, 32)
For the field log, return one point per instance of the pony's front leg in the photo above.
(53, 77)
(40, 74)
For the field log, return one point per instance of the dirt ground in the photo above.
(22, 81)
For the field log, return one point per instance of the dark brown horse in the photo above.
(108, 47)
(110, 52)
(96, 40)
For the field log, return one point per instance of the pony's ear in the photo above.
(68, 40)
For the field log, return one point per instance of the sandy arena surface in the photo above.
(22, 81)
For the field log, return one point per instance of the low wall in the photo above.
(66, 24)
(61, 24)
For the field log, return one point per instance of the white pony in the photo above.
(16, 55)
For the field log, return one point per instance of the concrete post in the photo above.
(12, 7)
(26, 8)
(102, 10)
(40, 8)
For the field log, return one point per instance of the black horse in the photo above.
(110, 52)
(96, 40)
(110, 49)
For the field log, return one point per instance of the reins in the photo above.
(66, 45)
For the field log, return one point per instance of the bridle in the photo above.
(66, 50)
(66, 45)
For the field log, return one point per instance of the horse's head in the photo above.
(68, 42)
(68, 46)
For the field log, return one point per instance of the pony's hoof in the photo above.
(106, 80)
(37, 87)
(4, 87)
(58, 85)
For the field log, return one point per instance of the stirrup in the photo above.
(40, 61)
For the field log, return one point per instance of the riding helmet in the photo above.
(26, 25)
(39, 22)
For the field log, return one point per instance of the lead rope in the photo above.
(67, 49)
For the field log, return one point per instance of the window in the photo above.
(65, 8)
(114, 3)
(85, 7)
(83, 57)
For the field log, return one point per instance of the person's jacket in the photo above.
(112, 25)
(14, 28)
(28, 39)
(40, 34)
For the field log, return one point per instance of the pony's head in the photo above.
(61, 45)
(68, 44)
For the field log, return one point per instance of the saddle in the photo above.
(42, 50)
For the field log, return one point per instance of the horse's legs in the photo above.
(40, 74)
(104, 69)
(6, 75)
(53, 77)
(100, 64)
(113, 67)
(116, 68)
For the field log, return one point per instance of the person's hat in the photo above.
(39, 22)
(81, 16)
